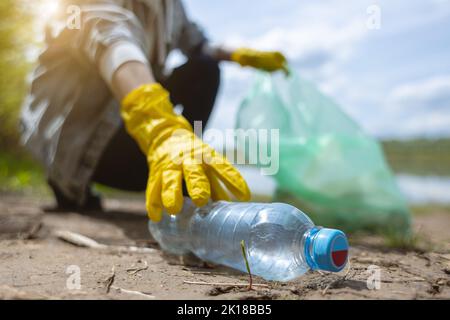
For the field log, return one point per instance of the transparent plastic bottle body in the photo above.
(274, 235)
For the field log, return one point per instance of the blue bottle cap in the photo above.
(330, 250)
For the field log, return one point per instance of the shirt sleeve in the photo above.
(118, 54)
(110, 36)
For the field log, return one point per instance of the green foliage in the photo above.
(425, 209)
(247, 265)
(419, 157)
(15, 39)
(20, 174)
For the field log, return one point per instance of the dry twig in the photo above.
(344, 278)
(225, 284)
(85, 242)
(132, 271)
(110, 280)
(137, 293)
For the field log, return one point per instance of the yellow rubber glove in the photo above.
(264, 60)
(173, 153)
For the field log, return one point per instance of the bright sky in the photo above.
(395, 80)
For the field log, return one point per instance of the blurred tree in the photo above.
(15, 41)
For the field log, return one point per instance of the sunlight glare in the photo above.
(48, 8)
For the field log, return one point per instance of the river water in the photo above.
(417, 189)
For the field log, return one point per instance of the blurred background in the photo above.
(385, 62)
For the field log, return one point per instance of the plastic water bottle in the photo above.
(282, 243)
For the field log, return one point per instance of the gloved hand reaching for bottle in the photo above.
(173, 153)
(264, 60)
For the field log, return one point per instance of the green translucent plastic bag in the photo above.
(327, 166)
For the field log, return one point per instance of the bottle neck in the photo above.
(302, 247)
(308, 245)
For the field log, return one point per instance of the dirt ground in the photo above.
(36, 263)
